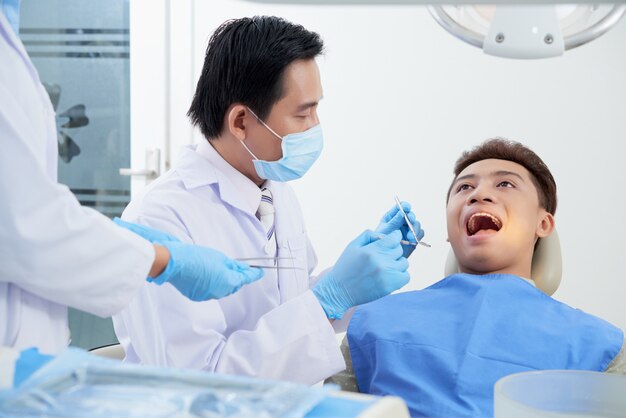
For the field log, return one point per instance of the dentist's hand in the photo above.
(199, 273)
(369, 268)
(394, 220)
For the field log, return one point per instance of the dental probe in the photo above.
(402, 241)
(406, 219)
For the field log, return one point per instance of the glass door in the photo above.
(81, 50)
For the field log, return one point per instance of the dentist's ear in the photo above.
(545, 226)
(236, 120)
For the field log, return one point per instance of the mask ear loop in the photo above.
(264, 124)
(248, 149)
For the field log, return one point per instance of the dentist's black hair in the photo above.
(504, 149)
(244, 63)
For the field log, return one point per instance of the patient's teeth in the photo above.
(471, 224)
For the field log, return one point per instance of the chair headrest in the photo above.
(547, 264)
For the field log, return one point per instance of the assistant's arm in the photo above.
(50, 245)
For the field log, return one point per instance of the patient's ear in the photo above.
(236, 121)
(545, 225)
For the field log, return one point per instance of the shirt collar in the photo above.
(201, 165)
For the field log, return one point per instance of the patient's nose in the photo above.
(480, 194)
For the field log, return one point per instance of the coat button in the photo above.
(269, 249)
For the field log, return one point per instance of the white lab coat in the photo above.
(53, 252)
(274, 328)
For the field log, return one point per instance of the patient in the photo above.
(443, 348)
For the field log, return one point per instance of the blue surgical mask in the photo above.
(11, 10)
(300, 151)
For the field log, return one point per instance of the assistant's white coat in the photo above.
(53, 252)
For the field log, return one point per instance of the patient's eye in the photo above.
(506, 183)
(462, 187)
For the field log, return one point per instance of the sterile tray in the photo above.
(103, 391)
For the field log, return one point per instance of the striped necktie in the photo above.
(265, 214)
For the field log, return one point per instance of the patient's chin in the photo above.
(481, 264)
(492, 257)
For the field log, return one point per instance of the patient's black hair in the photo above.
(504, 149)
(244, 63)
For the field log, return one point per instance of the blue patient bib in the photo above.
(443, 348)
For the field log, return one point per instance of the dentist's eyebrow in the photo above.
(507, 173)
(306, 106)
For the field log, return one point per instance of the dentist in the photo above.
(55, 253)
(256, 104)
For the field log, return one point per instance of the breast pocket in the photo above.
(293, 279)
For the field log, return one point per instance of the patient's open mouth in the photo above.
(482, 221)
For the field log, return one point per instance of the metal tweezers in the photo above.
(274, 259)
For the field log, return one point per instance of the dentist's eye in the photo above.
(506, 184)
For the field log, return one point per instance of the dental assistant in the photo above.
(256, 104)
(55, 253)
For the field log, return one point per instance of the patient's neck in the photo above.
(522, 269)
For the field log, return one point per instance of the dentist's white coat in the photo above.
(273, 328)
(53, 252)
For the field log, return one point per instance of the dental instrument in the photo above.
(274, 259)
(406, 218)
(403, 241)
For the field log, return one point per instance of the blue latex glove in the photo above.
(150, 234)
(201, 273)
(29, 361)
(369, 268)
(11, 10)
(394, 220)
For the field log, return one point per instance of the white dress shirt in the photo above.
(53, 252)
(273, 328)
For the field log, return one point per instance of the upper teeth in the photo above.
(474, 217)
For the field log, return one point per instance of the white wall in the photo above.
(403, 98)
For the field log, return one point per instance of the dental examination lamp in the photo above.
(524, 30)
(535, 31)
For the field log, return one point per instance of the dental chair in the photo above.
(546, 272)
